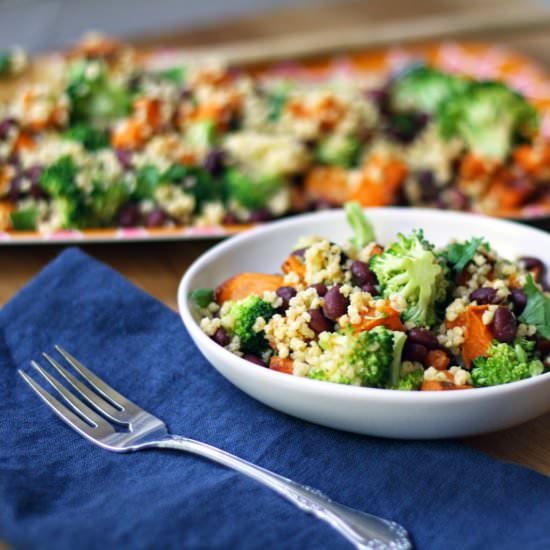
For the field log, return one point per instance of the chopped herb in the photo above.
(537, 311)
(460, 254)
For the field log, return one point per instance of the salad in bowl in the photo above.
(406, 315)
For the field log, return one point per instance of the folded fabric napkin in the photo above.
(59, 491)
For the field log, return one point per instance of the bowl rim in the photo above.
(328, 388)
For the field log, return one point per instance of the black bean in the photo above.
(371, 289)
(504, 325)
(230, 219)
(361, 274)
(543, 345)
(381, 97)
(5, 126)
(320, 288)
(299, 252)
(36, 191)
(319, 323)
(518, 299)
(254, 359)
(186, 93)
(428, 187)
(214, 162)
(536, 266)
(484, 296)
(260, 215)
(221, 337)
(124, 158)
(456, 199)
(34, 172)
(336, 304)
(129, 215)
(155, 218)
(322, 204)
(14, 190)
(423, 336)
(414, 352)
(309, 143)
(404, 127)
(285, 293)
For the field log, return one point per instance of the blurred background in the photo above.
(50, 24)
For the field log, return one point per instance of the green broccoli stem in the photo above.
(399, 339)
(363, 231)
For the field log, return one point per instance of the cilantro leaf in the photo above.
(537, 311)
(460, 254)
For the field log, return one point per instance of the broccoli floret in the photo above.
(423, 89)
(91, 138)
(410, 268)
(72, 206)
(245, 314)
(320, 374)
(95, 98)
(196, 181)
(372, 356)
(251, 191)
(506, 363)
(70, 212)
(59, 179)
(338, 150)
(488, 117)
(106, 201)
(201, 134)
(363, 232)
(364, 359)
(410, 381)
(24, 219)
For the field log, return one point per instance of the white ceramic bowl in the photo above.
(370, 411)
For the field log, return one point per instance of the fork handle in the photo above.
(364, 531)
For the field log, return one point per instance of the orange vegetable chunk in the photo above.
(244, 284)
(477, 335)
(294, 264)
(438, 359)
(380, 181)
(281, 364)
(390, 319)
(327, 183)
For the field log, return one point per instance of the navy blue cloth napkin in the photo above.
(59, 491)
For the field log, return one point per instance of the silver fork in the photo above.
(145, 431)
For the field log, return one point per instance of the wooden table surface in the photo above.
(157, 267)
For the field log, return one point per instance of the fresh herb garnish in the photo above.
(537, 310)
(460, 254)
